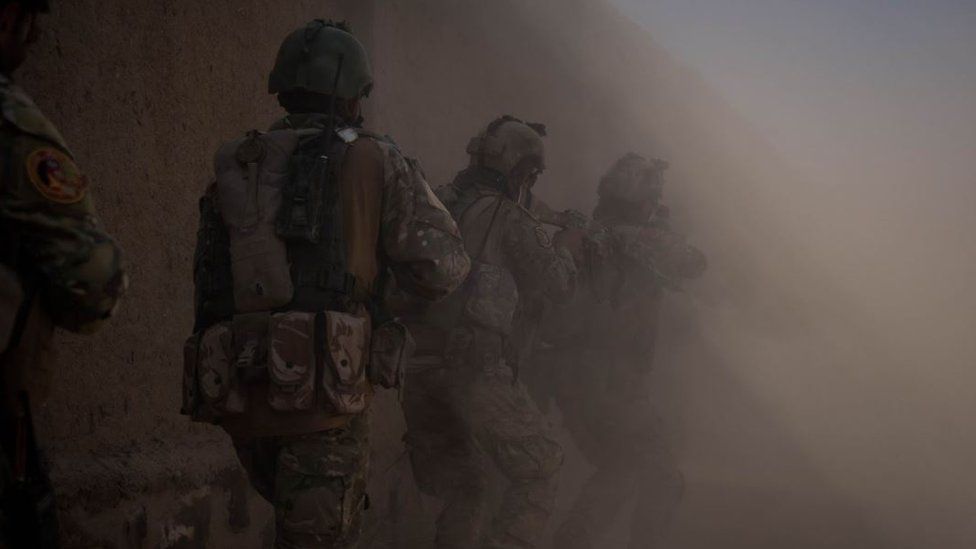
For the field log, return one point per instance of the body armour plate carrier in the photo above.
(296, 337)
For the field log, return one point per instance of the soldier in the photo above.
(464, 406)
(599, 349)
(296, 239)
(58, 268)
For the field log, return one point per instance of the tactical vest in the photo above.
(279, 325)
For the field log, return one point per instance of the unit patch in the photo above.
(56, 176)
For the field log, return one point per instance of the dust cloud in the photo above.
(817, 382)
(819, 379)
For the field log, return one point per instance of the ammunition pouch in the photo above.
(391, 347)
(303, 359)
(292, 362)
(211, 386)
(346, 352)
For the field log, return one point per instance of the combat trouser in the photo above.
(316, 483)
(620, 434)
(461, 426)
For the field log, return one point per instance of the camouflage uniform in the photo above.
(311, 461)
(466, 413)
(59, 268)
(598, 351)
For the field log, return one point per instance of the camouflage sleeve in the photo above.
(213, 297)
(566, 218)
(419, 238)
(47, 209)
(664, 253)
(541, 270)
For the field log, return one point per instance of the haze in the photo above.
(871, 107)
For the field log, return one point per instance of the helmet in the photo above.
(506, 142)
(310, 57)
(634, 179)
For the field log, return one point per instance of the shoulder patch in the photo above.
(542, 237)
(55, 175)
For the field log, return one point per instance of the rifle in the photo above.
(28, 512)
(599, 247)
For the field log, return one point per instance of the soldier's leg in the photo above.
(316, 482)
(445, 463)
(625, 442)
(320, 487)
(605, 493)
(659, 493)
(512, 430)
(607, 413)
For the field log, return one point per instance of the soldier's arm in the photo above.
(418, 235)
(661, 252)
(548, 216)
(541, 269)
(48, 212)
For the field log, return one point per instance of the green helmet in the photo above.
(310, 57)
(506, 142)
(634, 179)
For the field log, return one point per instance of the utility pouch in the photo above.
(390, 347)
(346, 352)
(292, 361)
(251, 173)
(219, 389)
(492, 297)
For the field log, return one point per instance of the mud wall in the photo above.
(144, 91)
